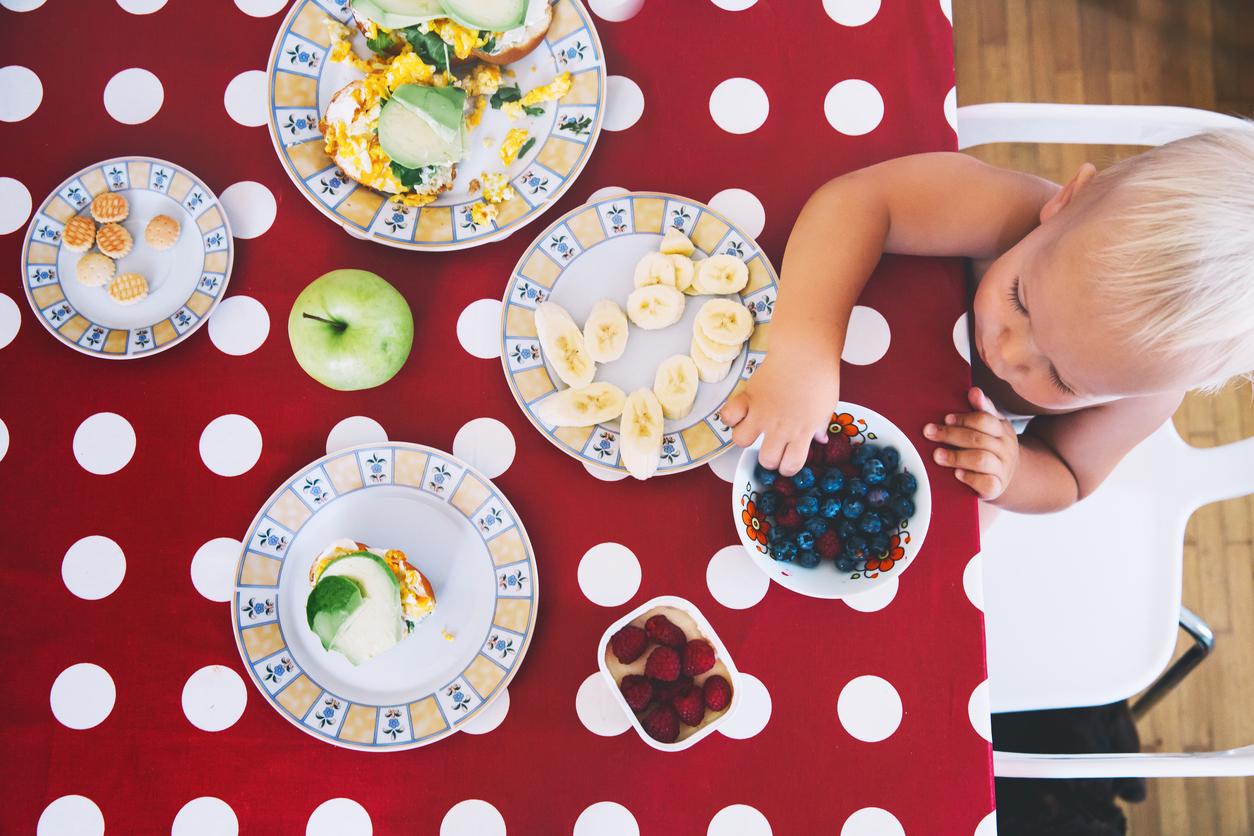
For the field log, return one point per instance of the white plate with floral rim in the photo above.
(302, 80)
(456, 527)
(185, 282)
(590, 253)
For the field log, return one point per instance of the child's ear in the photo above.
(1068, 192)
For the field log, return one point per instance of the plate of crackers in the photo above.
(127, 257)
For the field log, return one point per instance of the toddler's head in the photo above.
(1139, 280)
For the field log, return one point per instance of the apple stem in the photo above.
(339, 326)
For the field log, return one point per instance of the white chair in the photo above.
(1082, 607)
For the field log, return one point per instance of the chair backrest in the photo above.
(982, 124)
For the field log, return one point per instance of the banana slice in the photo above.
(708, 369)
(595, 403)
(716, 351)
(655, 306)
(640, 441)
(654, 268)
(605, 332)
(563, 346)
(674, 241)
(720, 274)
(675, 385)
(685, 271)
(724, 321)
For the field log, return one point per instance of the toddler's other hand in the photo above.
(986, 452)
(791, 403)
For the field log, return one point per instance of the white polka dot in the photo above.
(874, 599)
(15, 207)
(214, 698)
(82, 696)
(205, 816)
(947, 8)
(4, 439)
(743, 208)
(624, 103)
(69, 815)
(21, 91)
(739, 820)
(213, 568)
(616, 11)
(489, 718)
(973, 581)
(734, 580)
(754, 711)
(734, 5)
(724, 464)
(962, 338)
(872, 821)
(250, 208)
(339, 817)
(987, 825)
(472, 817)
(239, 325)
(141, 7)
(260, 8)
(951, 107)
(867, 338)
(739, 105)
(10, 319)
(609, 574)
(598, 709)
(104, 443)
(605, 193)
(230, 445)
(978, 711)
(245, 98)
(486, 445)
(93, 567)
(854, 107)
(21, 5)
(851, 12)
(479, 328)
(606, 818)
(869, 708)
(354, 430)
(605, 474)
(133, 96)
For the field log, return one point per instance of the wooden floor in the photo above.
(1198, 53)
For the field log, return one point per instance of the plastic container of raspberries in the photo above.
(668, 710)
(853, 518)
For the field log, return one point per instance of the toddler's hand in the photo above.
(791, 403)
(987, 448)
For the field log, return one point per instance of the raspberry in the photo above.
(662, 664)
(629, 644)
(698, 658)
(637, 690)
(662, 724)
(787, 515)
(828, 545)
(665, 692)
(814, 457)
(660, 629)
(690, 705)
(718, 693)
(838, 450)
(784, 485)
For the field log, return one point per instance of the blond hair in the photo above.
(1178, 274)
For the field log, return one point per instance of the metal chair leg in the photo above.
(1203, 643)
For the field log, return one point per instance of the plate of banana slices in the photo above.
(626, 326)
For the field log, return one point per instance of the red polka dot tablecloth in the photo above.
(127, 485)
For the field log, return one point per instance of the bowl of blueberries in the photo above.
(853, 517)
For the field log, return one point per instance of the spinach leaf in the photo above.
(522, 152)
(429, 47)
(533, 110)
(409, 177)
(505, 94)
(381, 42)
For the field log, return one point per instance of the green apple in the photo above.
(350, 330)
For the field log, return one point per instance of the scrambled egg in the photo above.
(513, 143)
(481, 213)
(414, 598)
(475, 116)
(463, 40)
(496, 189)
(483, 80)
(550, 92)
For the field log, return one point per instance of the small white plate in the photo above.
(860, 425)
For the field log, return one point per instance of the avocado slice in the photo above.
(330, 604)
(422, 126)
(490, 15)
(397, 14)
(361, 626)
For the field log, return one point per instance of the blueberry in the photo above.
(863, 452)
(891, 458)
(905, 484)
(857, 548)
(807, 506)
(845, 529)
(856, 487)
(765, 476)
(853, 509)
(776, 536)
(785, 551)
(803, 479)
(904, 507)
(889, 518)
(870, 524)
(873, 472)
(832, 481)
(875, 498)
(768, 502)
(807, 558)
(805, 540)
(816, 526)
(830, 507)
(879, 544)
(845, 564)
